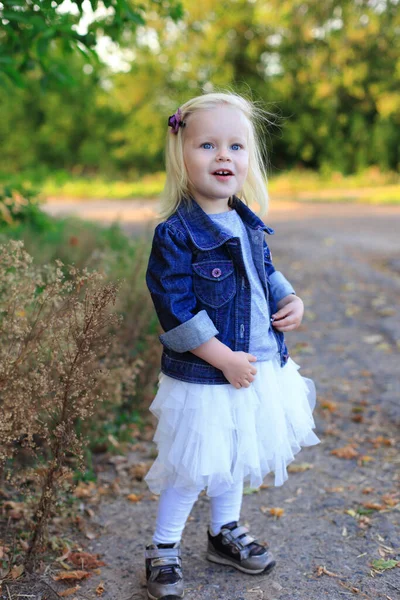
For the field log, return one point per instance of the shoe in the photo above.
(233, 547)
(164, 572)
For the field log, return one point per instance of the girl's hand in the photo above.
(290, 313)
(238, 370)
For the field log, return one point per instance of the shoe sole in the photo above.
(216, 558)
(169, 597)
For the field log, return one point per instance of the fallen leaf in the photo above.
(322, 570)
(71, 575)
(303, 348)
(391, 499)
(100, 589)
(336, 489)
(69, 591)
(383, 565)
(346, 452)
(373, 505)
(368, 490)
(364, 459)
(387, 312)
(24, 545)
(332, 429)
(17, 571)
(364, 522)
(299, 467)
(84, 490)
(247, 491)
(357, 419)
(134, 498)
(384, 346)
(85, 560)
(382, 441)
(139, 470)
(328, 405)
(276, 512)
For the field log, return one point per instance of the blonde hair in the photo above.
(177, 185)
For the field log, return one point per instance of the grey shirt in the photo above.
(263, 343)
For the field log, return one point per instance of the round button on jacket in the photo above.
(216, 272)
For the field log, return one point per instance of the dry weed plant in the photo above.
(56, 330)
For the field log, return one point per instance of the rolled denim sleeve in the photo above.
(280, 286)
(169, 278)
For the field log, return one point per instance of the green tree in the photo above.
(329, 69)
(30, 28)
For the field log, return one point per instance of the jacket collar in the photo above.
(206, 234)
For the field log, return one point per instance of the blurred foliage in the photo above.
(18, 203)
(328, 71)
(29, 30)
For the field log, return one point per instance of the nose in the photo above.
(223, 155)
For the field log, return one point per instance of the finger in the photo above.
(245, 383)
(282, 313)
(251, 357)
(284, 322)
(253, 370)
(287, 328)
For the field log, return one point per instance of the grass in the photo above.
(371, 186)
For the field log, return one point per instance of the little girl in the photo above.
(231, 404)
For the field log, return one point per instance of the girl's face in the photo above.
(215, 151)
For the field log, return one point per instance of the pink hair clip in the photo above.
(175, 121)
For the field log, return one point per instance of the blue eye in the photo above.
(206, 144)
(236, 146)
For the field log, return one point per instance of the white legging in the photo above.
(175, 505)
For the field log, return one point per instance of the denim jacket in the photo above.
(198, 283)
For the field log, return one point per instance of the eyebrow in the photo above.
(203, 136)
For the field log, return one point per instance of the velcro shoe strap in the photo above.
(246, 540)
(238, 531)
(166, 562)
(162, 552)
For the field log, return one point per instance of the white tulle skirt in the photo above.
(212, 436)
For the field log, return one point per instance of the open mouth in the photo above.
(223, 172)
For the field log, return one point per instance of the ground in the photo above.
(340, 514)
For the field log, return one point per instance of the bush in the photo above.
(68, 370)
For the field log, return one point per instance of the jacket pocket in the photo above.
(214, 282)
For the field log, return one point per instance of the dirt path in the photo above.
(339, 514)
